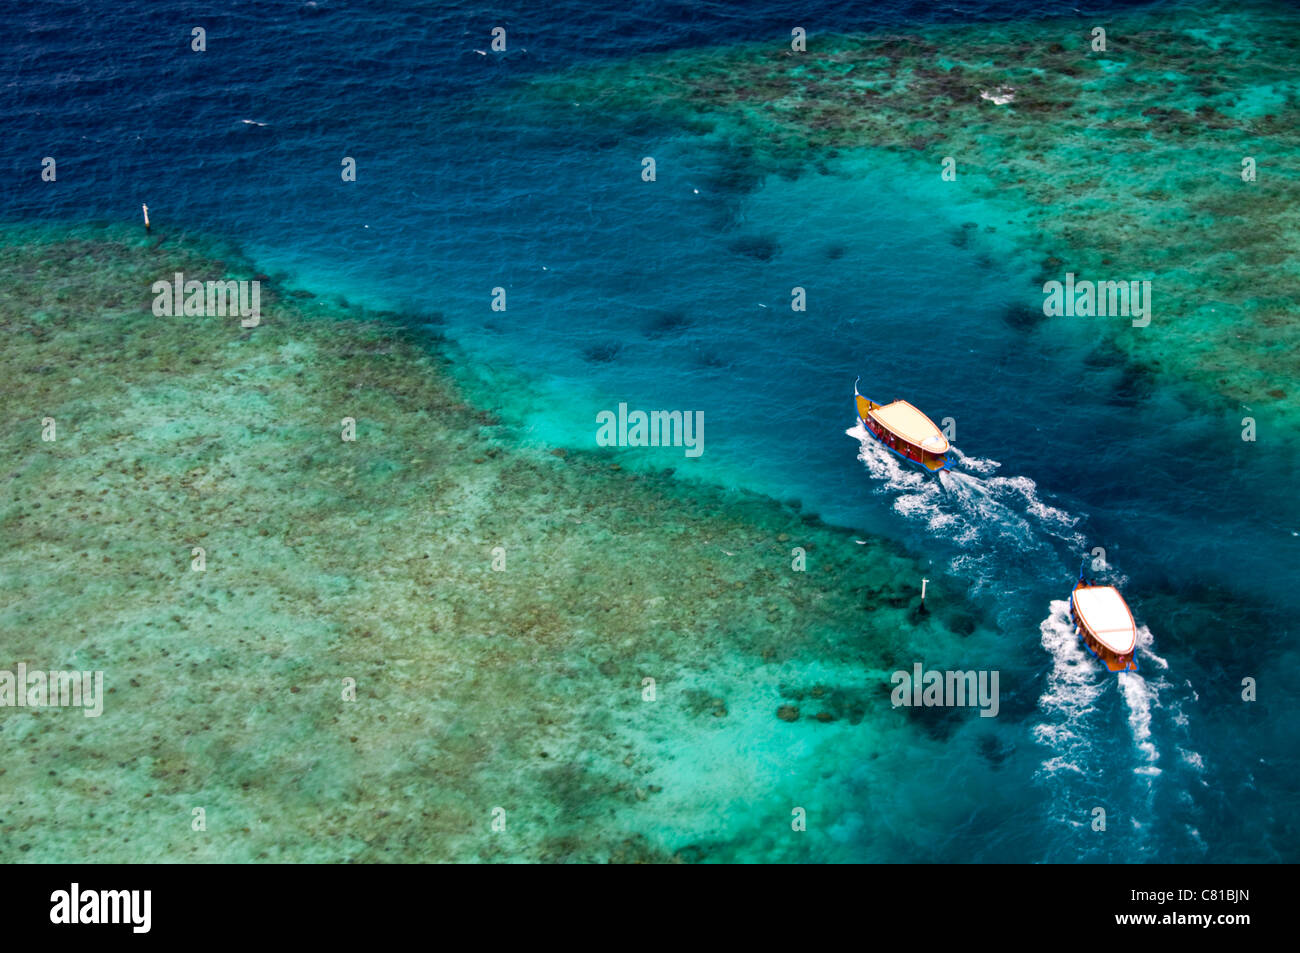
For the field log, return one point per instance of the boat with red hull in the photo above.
(1103, 621)
(904, 430)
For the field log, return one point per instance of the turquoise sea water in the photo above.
(675, 294)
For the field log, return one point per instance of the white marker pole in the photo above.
(146, 216)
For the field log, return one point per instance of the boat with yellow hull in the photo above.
(904, 430)
(1103, 621)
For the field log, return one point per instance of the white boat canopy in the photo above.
(905, 421)
(1104, 611)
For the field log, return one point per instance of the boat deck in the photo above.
(1105, 613)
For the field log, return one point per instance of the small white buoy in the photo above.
(999, 96)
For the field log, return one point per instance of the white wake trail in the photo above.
(1074, 685)
(993, 520)
(1069, 704)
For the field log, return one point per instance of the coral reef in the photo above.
(373, 560)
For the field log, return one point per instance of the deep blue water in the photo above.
(655, 295)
